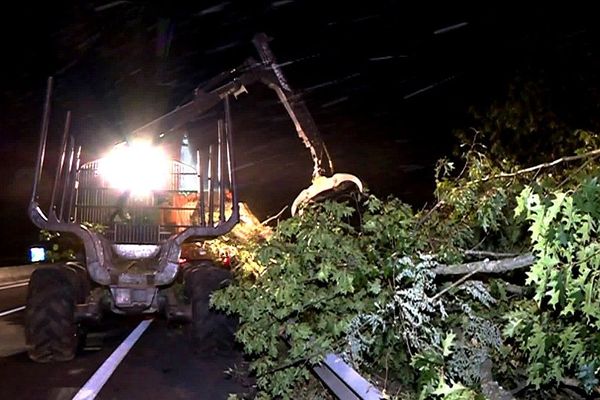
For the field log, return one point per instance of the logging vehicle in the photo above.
(138, 210)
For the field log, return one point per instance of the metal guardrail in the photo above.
(14, 285)
(11, 275)
(343, 381)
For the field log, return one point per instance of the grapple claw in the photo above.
(323, 187)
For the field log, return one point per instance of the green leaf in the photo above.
(447, 344)
(375, 287)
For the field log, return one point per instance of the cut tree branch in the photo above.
(487, 266)
(490, 388)
(573, 382)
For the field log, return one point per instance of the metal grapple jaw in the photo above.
(324, 187)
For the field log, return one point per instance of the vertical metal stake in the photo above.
(67, 178)
(39, 164)
(61, 165)
(220, 171)
(75, 187)
(201, 216)
(209, 172)
(230, 156)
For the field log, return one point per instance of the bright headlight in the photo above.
(138, 167)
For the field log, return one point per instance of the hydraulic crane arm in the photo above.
(305, 126)
(180, 116)
(234, 82)
(324, 181)
(267, 72)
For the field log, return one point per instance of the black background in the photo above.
(360, 66)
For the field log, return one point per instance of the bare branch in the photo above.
(573, 382)
(514, 289)
(519, 388)
(487, 266)
(455, 284)
(426, 216)
(490, 388)
(589, 154)
(266, 221)
(578, 170)
(477, 253)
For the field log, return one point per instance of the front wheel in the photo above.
(211, 330)
(50, 328)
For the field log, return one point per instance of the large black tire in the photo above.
(212, 331)
(51, 333)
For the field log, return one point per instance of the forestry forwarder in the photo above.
(135, 209)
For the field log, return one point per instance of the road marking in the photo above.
(14, 285)
(92, 387)
(14, 310)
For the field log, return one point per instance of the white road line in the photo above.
(14, 310)
(14, 285)
(92, 387)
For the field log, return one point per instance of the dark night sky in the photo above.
(360, 67)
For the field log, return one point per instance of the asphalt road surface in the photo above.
(160, 365)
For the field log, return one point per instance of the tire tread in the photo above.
(50, 328)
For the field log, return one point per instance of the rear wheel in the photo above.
(51, 332)
(211, 330)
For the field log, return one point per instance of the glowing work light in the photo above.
(137, 167)
(37, 254)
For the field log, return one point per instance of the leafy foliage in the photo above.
(65, 246)
(315, 279)
(328, 285)
(361, 281)
(558, 329)
(533, 122)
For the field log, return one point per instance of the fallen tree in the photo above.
(490, 292)
(395, 292)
